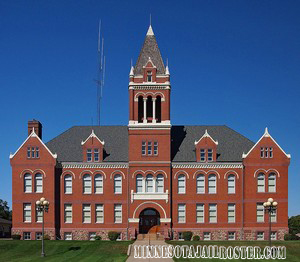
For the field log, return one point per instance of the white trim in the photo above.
(67, 172)
(150, 31)
(150, 196)
(33, 134)
(206, 135)
(165, 220)
(133, 220)
(266, 134)
(100, 172)
(183, 172)
(150, 202)
(163, 125)
(266, 172)
(206, 165)
(93, 165)
(206, 173)
(92, 135)
(231, 172)
(117, 172)
(149, 171)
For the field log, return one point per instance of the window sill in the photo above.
(68, 193)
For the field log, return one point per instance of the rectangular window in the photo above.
(28, 152)
(262, 152)
(89, 155)
(209, 155)
(32, 152)
(212, 184)
(99, 213)
(181, 184)
(118, 213)
(68, 184)
(149, 76)
(266, 152)
(212, 213)
(272, 183)
(37, 152)
(180, 236)
(274, 216)
(231, 235)
(27, 212)
(149, 148)
(200, 213)
(200, 184)
(202, 155)
(231, 213)
(38, 183)
(92, 235)
(181, 213)
(38, 236)
(68, 213)
(206, 236)
(96, 154)
(143, 148)
(273, 235)
(26, 235)
(155, 148)
(260, 236)
(260, 212)
(271, 152)
(68, 236)
(38, 216)
(260, 183)
(86, 213)
(118, 184)
(27, 183)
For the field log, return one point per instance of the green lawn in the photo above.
(18, 250)
(292, 249)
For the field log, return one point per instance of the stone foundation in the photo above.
(49, 232)
(83, 234)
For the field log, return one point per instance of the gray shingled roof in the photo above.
(149, 49)
(230, 148)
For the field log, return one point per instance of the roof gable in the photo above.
(92, 135)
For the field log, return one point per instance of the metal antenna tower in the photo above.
(100, 72)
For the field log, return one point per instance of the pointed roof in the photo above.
(206, 134)
(266, 134)
(92, 135)
(149, 49)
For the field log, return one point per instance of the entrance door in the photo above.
(149, 217)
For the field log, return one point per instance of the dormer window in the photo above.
(266, 152)
(202, 155)
(96, 154)
(33, 152)
(89, 155)
(149, 76)
(209, 154)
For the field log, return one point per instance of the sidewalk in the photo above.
(147, 242)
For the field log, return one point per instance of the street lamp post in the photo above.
(270, 208)
(42, 206)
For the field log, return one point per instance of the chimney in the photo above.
(37, 127)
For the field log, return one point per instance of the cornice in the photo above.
(206, 165)
(93, 165)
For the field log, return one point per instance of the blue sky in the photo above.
(231, 62)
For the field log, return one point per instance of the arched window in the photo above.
(181, 184)
(200, 184)
(68, 184)
(27, 183)
(231, 184)
(98, 184)
(118, 184)
(38, 183)
(158, 109)
(149, 108)
(87, 184)
(272, 183)
(261, 182)
(149, 183)
(139, 183)
(212, 184)
(160, 183)
(140, 109)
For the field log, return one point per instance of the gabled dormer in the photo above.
(206, 148)
(33, 150)
(266, 150)
(92, 148)
(149, 72)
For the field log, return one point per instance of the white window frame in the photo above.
(273, 235)
(98, 183)
(272, 188)
(38, 215)
(92, 236)
(260, 235)
(210, 155)
(86, 214)
(144, 148)
(89, 155)
(261, 183)
(118, 184)
(68, 213)
(96, 155)
(159, 183)
(155, 148)
(27, 183)
(38, 235)
(274, 216)
(200, 184)
(181, 213)
(212, 184)
(87, 184)
(118, 213)
(181, 183)
(149, 75)
(231, 184)
(202, 154)
(38, 178)
(99, 213)
(149, 148)
(271, 152)
(206, 236)
(68, 184)
(200, 213)
(231, 235)
(260, 213)
(26, 235)
(231, 213)
(139, 180)
(149, 183)
(212, 208)
(27, 213)
(68, 236)
(37, 152)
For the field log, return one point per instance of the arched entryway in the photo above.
(149, 217)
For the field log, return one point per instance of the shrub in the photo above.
(187, 235)
(98, 238)
(291, 237)
(46, 237)
(16, 237)
(196, 238)
(112, 235)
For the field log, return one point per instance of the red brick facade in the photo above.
(212, 196)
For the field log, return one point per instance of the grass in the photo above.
(18, 250)
(292, 249)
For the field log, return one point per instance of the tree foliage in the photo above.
(294, 225)
(4, 210)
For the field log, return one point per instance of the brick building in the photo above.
(207, 179)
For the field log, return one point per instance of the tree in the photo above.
(294, 225)
(4, 210)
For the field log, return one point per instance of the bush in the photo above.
(112, 235)
(46, 237)
(98, 238)
(187, 235)
(16, 237)
(196, 238)
(291, 237)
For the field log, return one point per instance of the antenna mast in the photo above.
(100, 73)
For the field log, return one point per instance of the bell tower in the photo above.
(149, 87)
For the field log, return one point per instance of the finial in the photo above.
(131, 71)
(150, 20)
(266, 132)
(150, 31)
(167, 70)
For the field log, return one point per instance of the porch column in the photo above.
(153, 106)
(145, 110)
